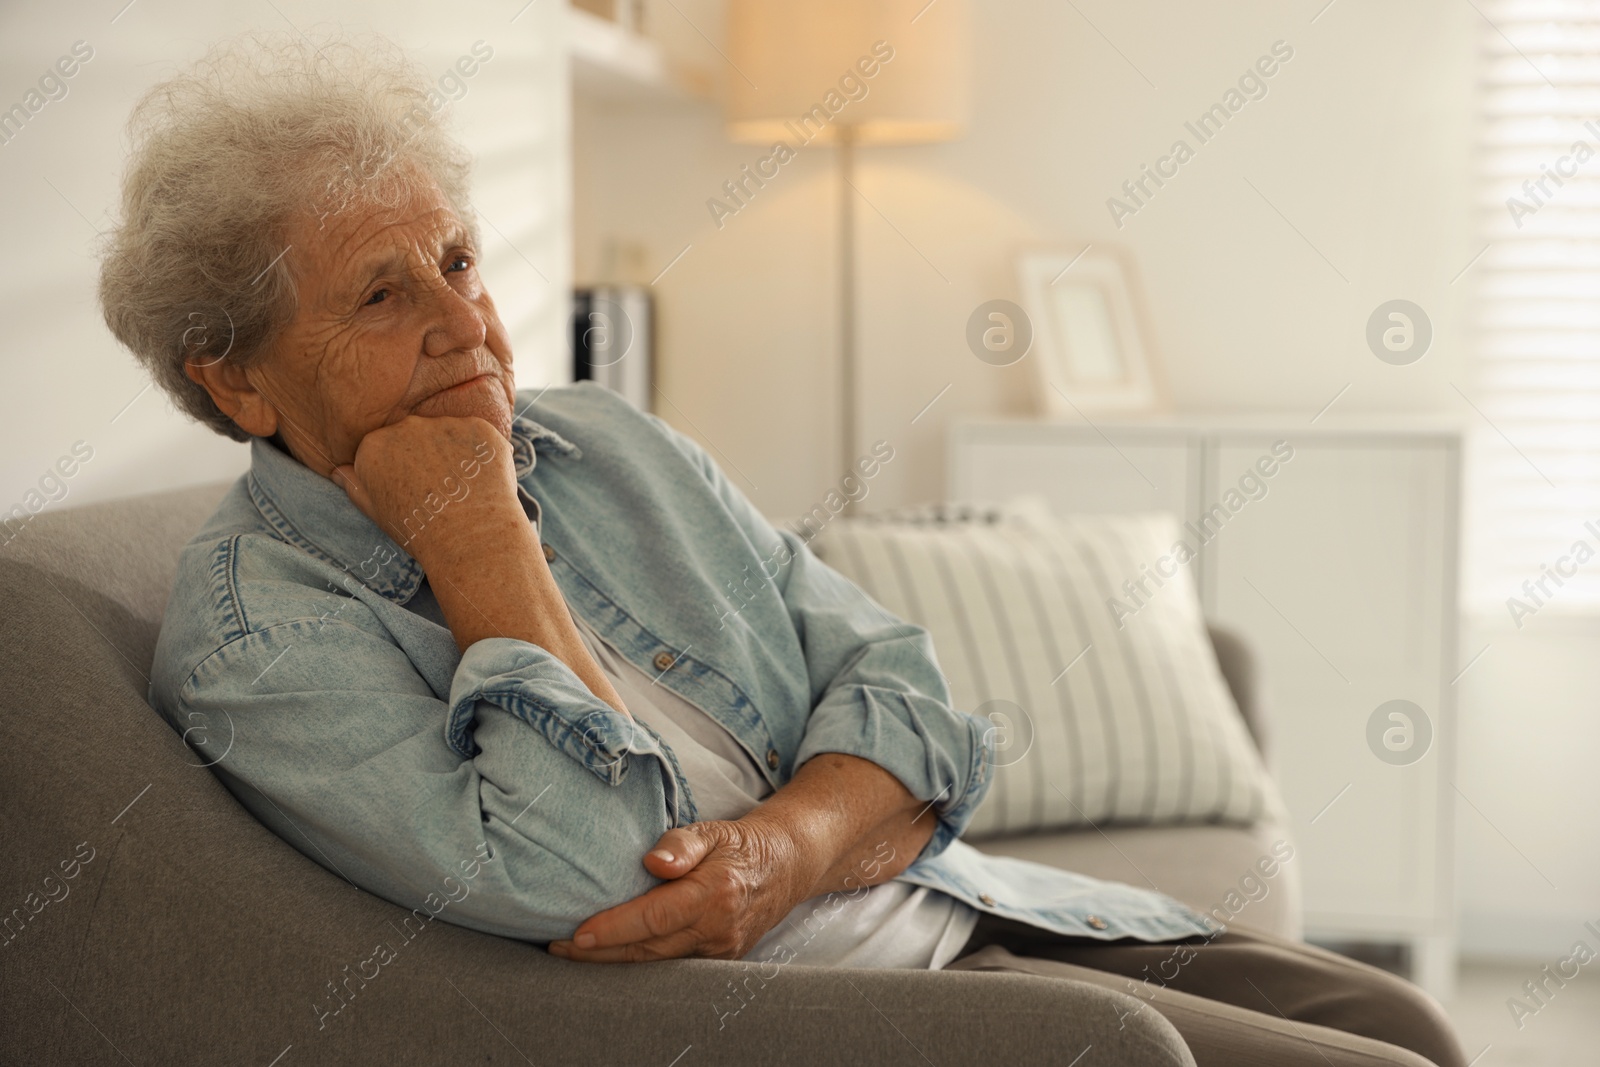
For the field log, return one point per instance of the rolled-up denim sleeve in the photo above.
(877, 689)
(520, 806)
(882, 696)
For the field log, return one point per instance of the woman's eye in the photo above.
(378, 297)
(459, 263)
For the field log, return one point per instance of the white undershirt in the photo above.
(888, 925)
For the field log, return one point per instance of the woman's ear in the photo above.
(235, 396)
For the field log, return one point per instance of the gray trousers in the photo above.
(1242, 998)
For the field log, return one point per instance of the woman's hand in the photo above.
(840, 824)
(444, 489)
(725, 885)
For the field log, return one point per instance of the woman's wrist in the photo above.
(805, 847)
(851, 821)
(485, 592)
(504, 588)
(483, 546)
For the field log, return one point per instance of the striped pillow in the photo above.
(1102, 714)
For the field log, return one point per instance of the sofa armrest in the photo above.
(730, 1014)
(1240, 671)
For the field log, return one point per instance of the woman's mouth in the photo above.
(460, 386)
(480, 395)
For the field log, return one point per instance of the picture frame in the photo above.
(1091, 346)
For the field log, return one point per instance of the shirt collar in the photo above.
(312, 513)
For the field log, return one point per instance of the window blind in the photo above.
(1534, 486)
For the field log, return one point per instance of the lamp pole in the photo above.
(849, 383)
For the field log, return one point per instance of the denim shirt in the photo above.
(305, 660)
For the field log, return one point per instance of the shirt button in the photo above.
(549, 553)
(1096, 922)
(987, 899)
(772, 758)
(665, 660)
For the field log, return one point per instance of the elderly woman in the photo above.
(472, 641)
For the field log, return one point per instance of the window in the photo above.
(1536, 474)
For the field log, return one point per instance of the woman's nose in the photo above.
(457, 323)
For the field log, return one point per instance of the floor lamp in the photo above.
(848, 73)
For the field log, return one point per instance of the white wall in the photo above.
(66, 379)
(1364, 144)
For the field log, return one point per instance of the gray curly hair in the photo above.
(224, 157)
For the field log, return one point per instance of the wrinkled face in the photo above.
(393, 320)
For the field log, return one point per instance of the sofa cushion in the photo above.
(126, 551)
(1108, 705)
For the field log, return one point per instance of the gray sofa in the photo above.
(187, 933)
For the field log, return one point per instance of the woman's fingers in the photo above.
(716, 899)
(679, 851)
(675, 946)
(663, 911)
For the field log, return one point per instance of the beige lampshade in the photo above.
(804, 69)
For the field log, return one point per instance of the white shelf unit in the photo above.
(611, 63)
(1343, 578)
